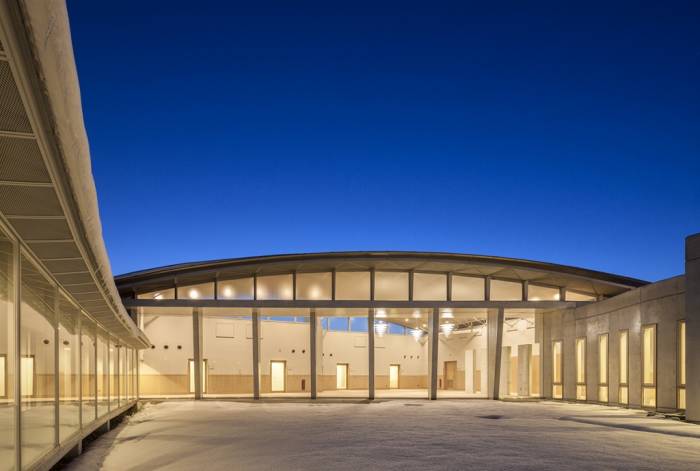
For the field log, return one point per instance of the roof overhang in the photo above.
(47, 192)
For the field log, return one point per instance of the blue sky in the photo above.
(562, 133)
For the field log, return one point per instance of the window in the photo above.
(429, 287)
(649, 366)
(506, 290)
(8, 421)
(542, 293)
(576, 296)
(623, 394)
(557, 388)
(200, 291)
(468, 288)
(68, 368)
(158, 295)
(314, 285)
(241, 288)
(681, 365)
(391, 286)
(274, 287)
(352, 285)
(603, 368)
(27, 380)
(581, 369)
(341, 376)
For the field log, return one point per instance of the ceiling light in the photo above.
(448, 315)
(416, 314)
(381, 314)
(158, 296)
(380, 328)
(416, 334)
(447, 328)
(228, 292)
(193, 293)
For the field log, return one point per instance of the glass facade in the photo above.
(8, 419)
(37, 321)
(68, 368)
(520, 356)
(88, 369)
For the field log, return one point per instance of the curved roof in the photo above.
(573, 278)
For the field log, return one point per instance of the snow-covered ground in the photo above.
(397, 434)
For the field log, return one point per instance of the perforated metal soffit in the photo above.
(30, 197)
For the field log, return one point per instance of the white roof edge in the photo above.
(46, 24)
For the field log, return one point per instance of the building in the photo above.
(79, 348)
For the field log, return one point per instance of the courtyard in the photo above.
(391, 434)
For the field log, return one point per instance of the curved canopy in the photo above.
(548, 274)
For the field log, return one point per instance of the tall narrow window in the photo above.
(649, 366)
(581, 369)
(681, 365)
(557, 388)
(623, 392)
(603, 368)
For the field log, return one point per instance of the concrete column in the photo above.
(495, 344)
(524, 356)
(692, 327)
(433, 352)
(370, 354)
(256, 354)
(197, 343)
(313, 332)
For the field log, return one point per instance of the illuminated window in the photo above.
(240, 288)
(200, 291)
(158, 295)
(202, 374)
(429, 287)
(681, 365)
(623, 394)
(391, 286)
(603, 368)
(649, 366)
(557, 388)
(576, 296)
(352, 285)
(501, 290)
(275, 287)
(581, 369)
(3, 375)
(542, 293)
(468, 288)
(314, 285)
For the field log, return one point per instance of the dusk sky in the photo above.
(560, 133)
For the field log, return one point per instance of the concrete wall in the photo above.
(662, 304)
(692, 314)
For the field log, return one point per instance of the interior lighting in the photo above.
(447, 328)
(381, 314)
(416, 334)
(228, 292)
(194, 294)
(380, 328)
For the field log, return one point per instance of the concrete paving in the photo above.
(392, 434)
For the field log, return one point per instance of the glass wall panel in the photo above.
(240, 288)
(37, 363)
(165, 367)
(342, 353)
(88, 349)
(391, 286)
(199, 291)
(520, 357)
(401, 360)
(227, 352)
(462, 353)
(113, 373)
(603, 368)
(542, 293)
(314, 285)
(429, 287)
(624, 362)
(68, 368)
(274, 287)
(581, 369)
(158, 295)
(506, 290)
(576, 296)
(557, 372)
(468, 288)
(123, 399)
(285, 359)
(7, 354)
(649, 366)
(352, 285)
(102, 373)
(681, 365)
